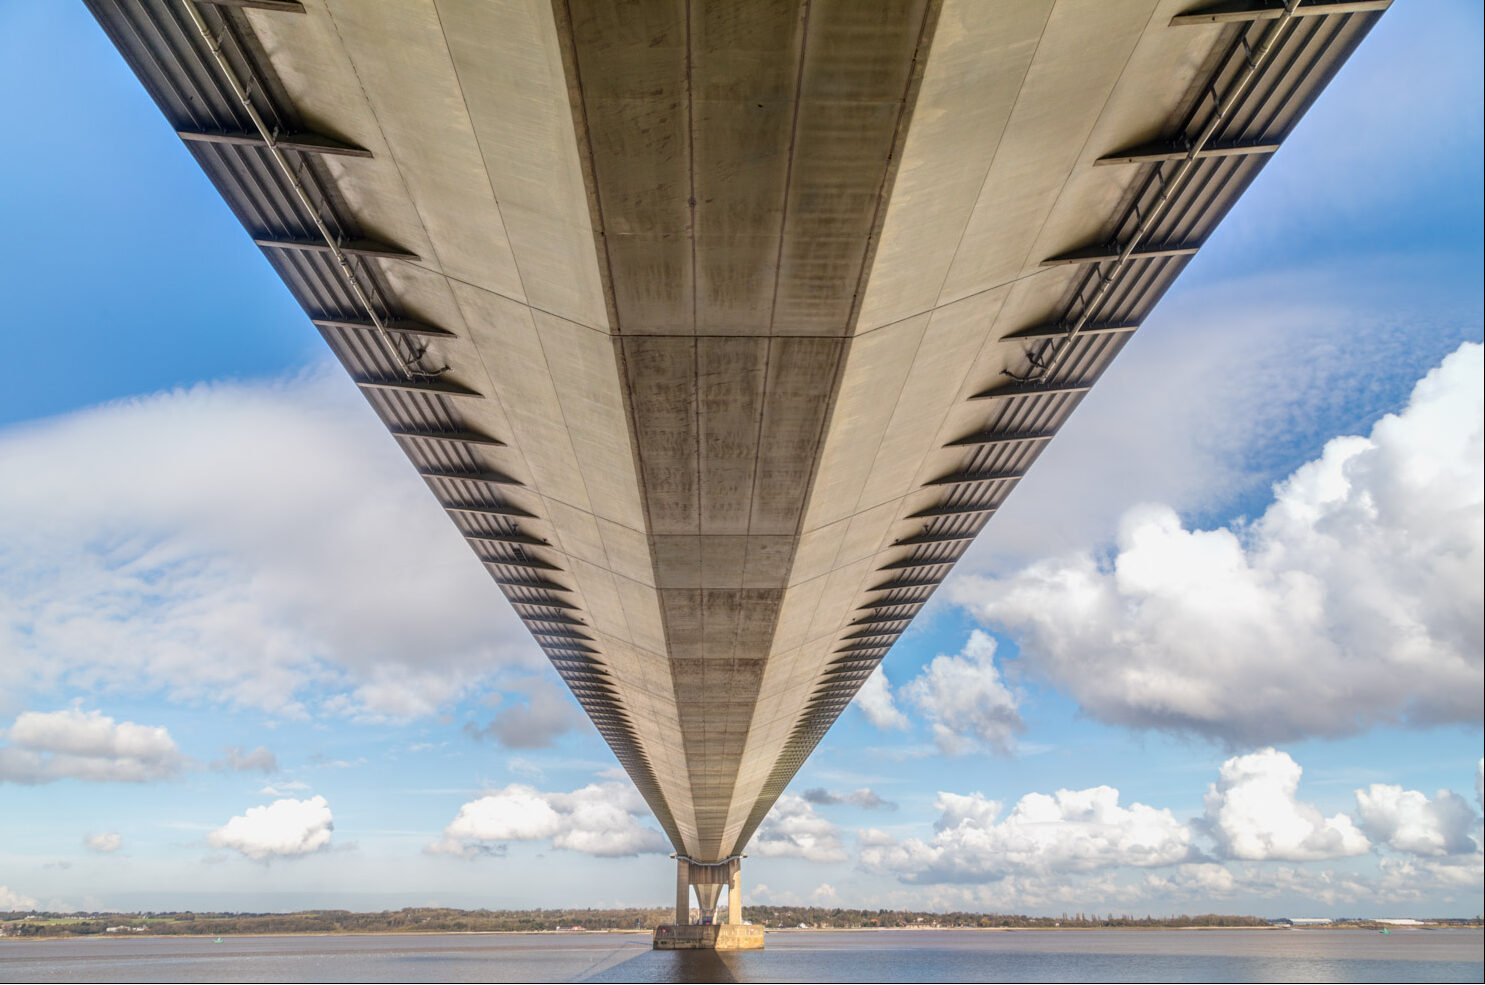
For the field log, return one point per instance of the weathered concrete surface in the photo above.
(717, 937)
(729, 277)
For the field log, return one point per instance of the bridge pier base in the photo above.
(707, 881)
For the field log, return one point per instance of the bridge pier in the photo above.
(707, 880)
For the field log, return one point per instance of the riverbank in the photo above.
(410, 923)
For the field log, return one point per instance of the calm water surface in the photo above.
(846, 956)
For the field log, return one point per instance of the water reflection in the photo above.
(850, 957)
(672, 966)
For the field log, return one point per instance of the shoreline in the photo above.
(646, 933)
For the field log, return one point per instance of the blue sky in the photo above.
(195, 628)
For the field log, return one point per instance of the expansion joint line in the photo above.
(1044, 363)
(331, 238)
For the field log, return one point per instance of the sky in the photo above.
(1220, 652)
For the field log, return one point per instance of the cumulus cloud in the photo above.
(792, 829)
(1252, 813)
(540, 716)
(864, 798)
(1355, 600)
(1406, 820)
(104, 843)
(86, 745)
(260, 760)
(966, 700)
(875, 701)
(603, 819)
(14, 902)
(212, 543)
(1069, 831)
(282, 829)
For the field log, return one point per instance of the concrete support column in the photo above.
(682, 892)
(707, 894)
(734, 894)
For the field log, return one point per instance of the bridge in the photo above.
(721, 328)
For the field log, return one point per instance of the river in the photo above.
(841, 956)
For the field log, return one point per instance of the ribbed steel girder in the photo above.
(722, 328)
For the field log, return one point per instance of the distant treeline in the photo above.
(443, 921)
(430, 920)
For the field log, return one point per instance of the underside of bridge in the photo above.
(722, 327)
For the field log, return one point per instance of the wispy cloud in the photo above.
(261, 544)
(865, 798)
(259, 760)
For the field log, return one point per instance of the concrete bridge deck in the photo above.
(721, 329)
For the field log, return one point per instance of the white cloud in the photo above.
(1069, 831)
(874, 699)
(825, 895)
(283, 789)
(213, 542)
(260, 760)
(1328, 886)
(1420, 879)
(1207, 400)
(48, 746)
(1480, 783)
(282, 829)
(604, 819)
(13, 902)
(1252, 813)
(792, 829)
(1408, 821)
(1203, 880)
(1355, 600)
(966, 700)
(104, 842)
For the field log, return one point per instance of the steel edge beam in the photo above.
(1057, 330)
(1029, 389)
(1170, 150)
(985, 439)
(1112, 251)
(402, 326)
(460, 437)
(967, 478)
(354, 247)
(1231, 11)
(488, 476)
(303, 141)
(419, 385)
